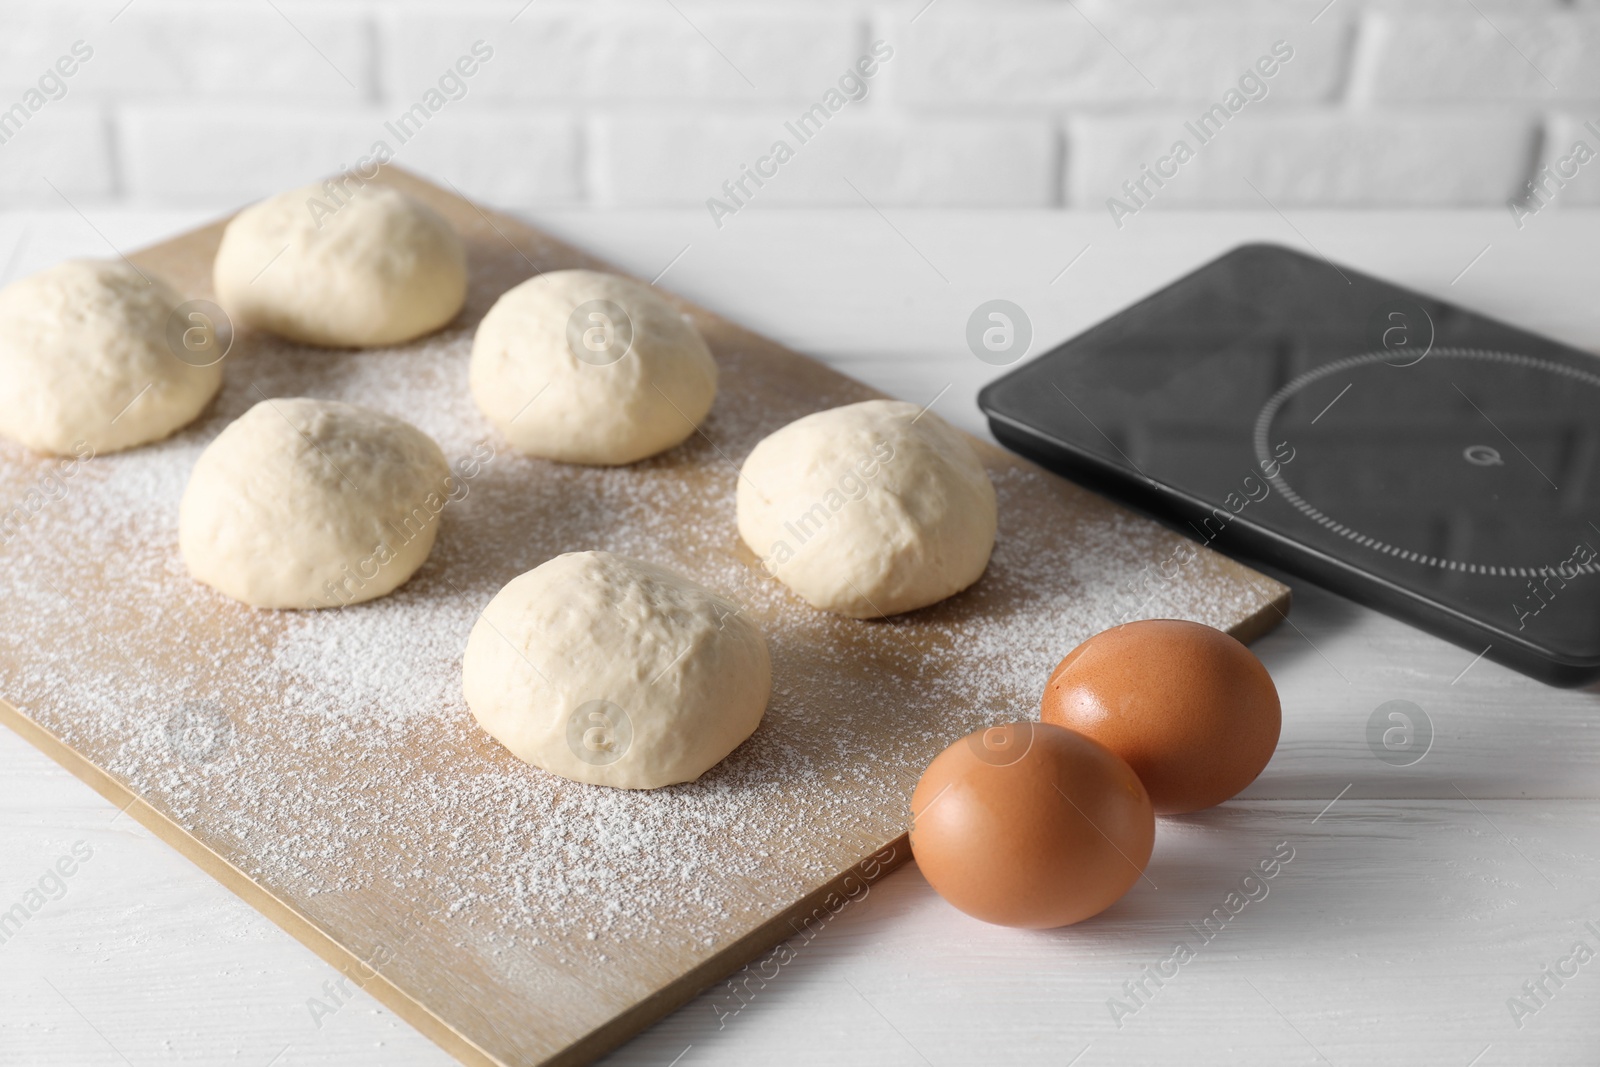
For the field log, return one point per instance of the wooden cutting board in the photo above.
(324, 767)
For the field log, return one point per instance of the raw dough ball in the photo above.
(312, 504)
(583, 367)
(611, 671)
(84, 358)
(373, 268)
(868, 510)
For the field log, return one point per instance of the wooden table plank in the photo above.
(181, 972)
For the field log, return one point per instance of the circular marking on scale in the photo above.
(1270, 409)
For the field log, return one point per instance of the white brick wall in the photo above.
(660, 159)
(633, 103)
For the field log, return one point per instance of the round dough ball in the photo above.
(868, 510)
(372, 268)
(611, 671)
(84, 360)
(1191, 709)
(583, 367)
(305, 503)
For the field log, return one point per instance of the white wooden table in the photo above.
(1414, 908)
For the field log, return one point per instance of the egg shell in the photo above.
(1191, 710)
(1031, 825)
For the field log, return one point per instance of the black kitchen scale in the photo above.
(1417, 457)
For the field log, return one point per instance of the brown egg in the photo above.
(1030, 825)
(1190, 708)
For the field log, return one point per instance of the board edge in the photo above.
(281, 913)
